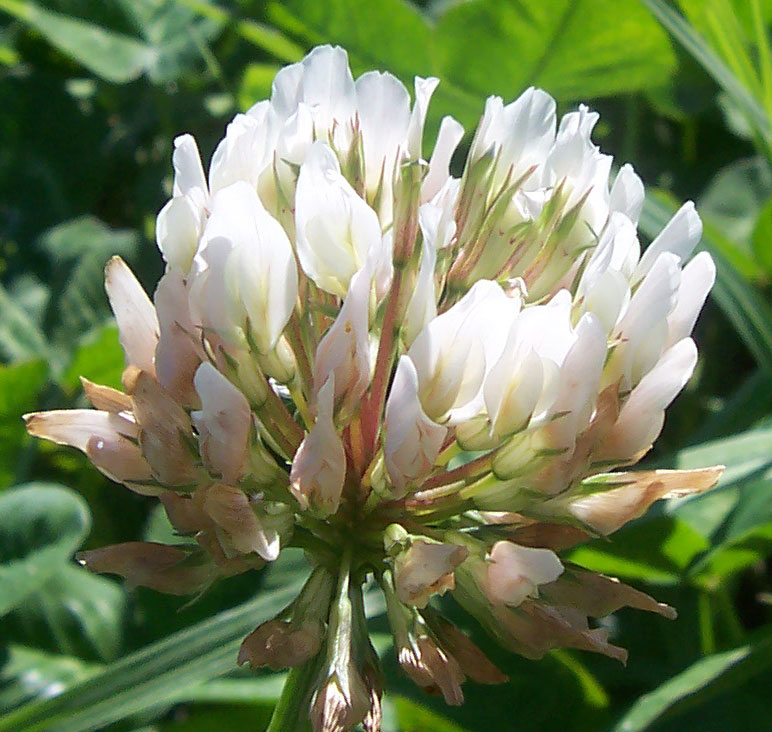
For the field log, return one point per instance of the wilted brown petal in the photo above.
(473, 662)
(597, 595)
(164, 425)
(280, 644)
(230, 509)
(105, 397)
(158, 566)
(426, 568)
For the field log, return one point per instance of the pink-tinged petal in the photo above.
(121, 460)
(413, 441)
(344, 351)
(319, 465)
(473, 662)
(607, 511)
(426, 568)
(179, 350)
(597, 596)
(223, 423)
(515, 572)
(76, 427)
(134, 313)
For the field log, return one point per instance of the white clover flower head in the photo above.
(423, 380)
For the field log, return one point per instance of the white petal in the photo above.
(424, 88)
(188, 171)
(383, 106)
(134, 313)
(177, 231)
(412, 441)
(449, 136)
(422, 307)
(642, 416)
(449, 354)
(627, 193)
(223, 423)
(335, 227)
(680, 235)
(697, 279)
(244, 152)
(328, 89)
(261, 272)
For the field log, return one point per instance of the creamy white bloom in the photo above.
(135, 314)
(336, 229)
(412, 441)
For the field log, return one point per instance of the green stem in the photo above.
(291, 711)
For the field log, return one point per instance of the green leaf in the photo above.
(390, 33)
(20, 336)
(696, 46)
(415, 718)
(746, 308)
(256, 84)
(696, 685)
(761, 240)
(162, 672)
(732, 202)
(79, 250)
(657, 550)
(28, 673)
(75, 613)
(174, 33)
(109, 55)
(262, 36)
(41, 525)
(572, 48)
(20, 386)
(98, 357)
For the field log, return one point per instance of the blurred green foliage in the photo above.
(92, 97)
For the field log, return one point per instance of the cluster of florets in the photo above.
(426, 382)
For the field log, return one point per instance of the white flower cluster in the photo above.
(433, 372)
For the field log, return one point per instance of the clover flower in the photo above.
(431, 384)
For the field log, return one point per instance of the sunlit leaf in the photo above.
(112, 56)
(20, 385)
(41, 525)
(572, 48)
(700, 682)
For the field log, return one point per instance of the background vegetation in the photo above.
(91, 96)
